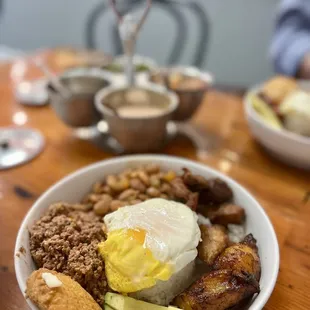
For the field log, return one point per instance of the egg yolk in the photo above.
(129, 265)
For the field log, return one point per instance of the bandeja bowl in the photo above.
(288, 147)
(75, 186)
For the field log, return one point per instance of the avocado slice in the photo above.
(120, 302)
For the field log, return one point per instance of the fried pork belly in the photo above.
(211, 192)
(179, 189)
(194, 182)
(226, 214)
(183, 194)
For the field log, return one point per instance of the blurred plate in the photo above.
(288, 147)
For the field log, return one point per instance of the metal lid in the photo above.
(18, 146)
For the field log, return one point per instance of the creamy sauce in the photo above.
(138, 111)
(51, 280)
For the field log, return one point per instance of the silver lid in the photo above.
(18, 146)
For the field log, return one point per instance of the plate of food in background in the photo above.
(278, 114)
(146, 232)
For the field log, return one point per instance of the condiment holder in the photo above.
(138, 116)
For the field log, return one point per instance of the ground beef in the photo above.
(65, 239)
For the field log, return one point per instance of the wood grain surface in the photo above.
(281, 190)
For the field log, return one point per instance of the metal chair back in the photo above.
(174, 8)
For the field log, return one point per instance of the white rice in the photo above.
(203, 220)
(165, 291)
(236, 233)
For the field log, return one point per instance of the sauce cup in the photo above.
(78, 110)
(138, 130)
(190, 98)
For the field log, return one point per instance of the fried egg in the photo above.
(147, 242)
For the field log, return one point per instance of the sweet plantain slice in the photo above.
(217, 290)
(242, 258)
(214, 241)
(234, 280)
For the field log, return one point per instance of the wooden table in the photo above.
(281, 190)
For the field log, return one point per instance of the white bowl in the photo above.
(287, 146)
(75, 186)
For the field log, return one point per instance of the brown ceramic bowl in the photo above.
(78, 109)
(190, 97)
(137, 134)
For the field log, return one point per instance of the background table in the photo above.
(284, 192)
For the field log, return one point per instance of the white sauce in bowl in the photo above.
(138, 111)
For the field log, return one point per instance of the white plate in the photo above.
(75, 186)
(287, 146)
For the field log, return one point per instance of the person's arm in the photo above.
(290, 49)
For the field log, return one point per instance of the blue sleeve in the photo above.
(291, 39)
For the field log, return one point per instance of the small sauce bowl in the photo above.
(78, 109)
(189, 83)
(137, 116)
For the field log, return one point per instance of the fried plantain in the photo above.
(214, 241)
(217, 290)
(242, 258)
(226, 214)
(235, 279)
